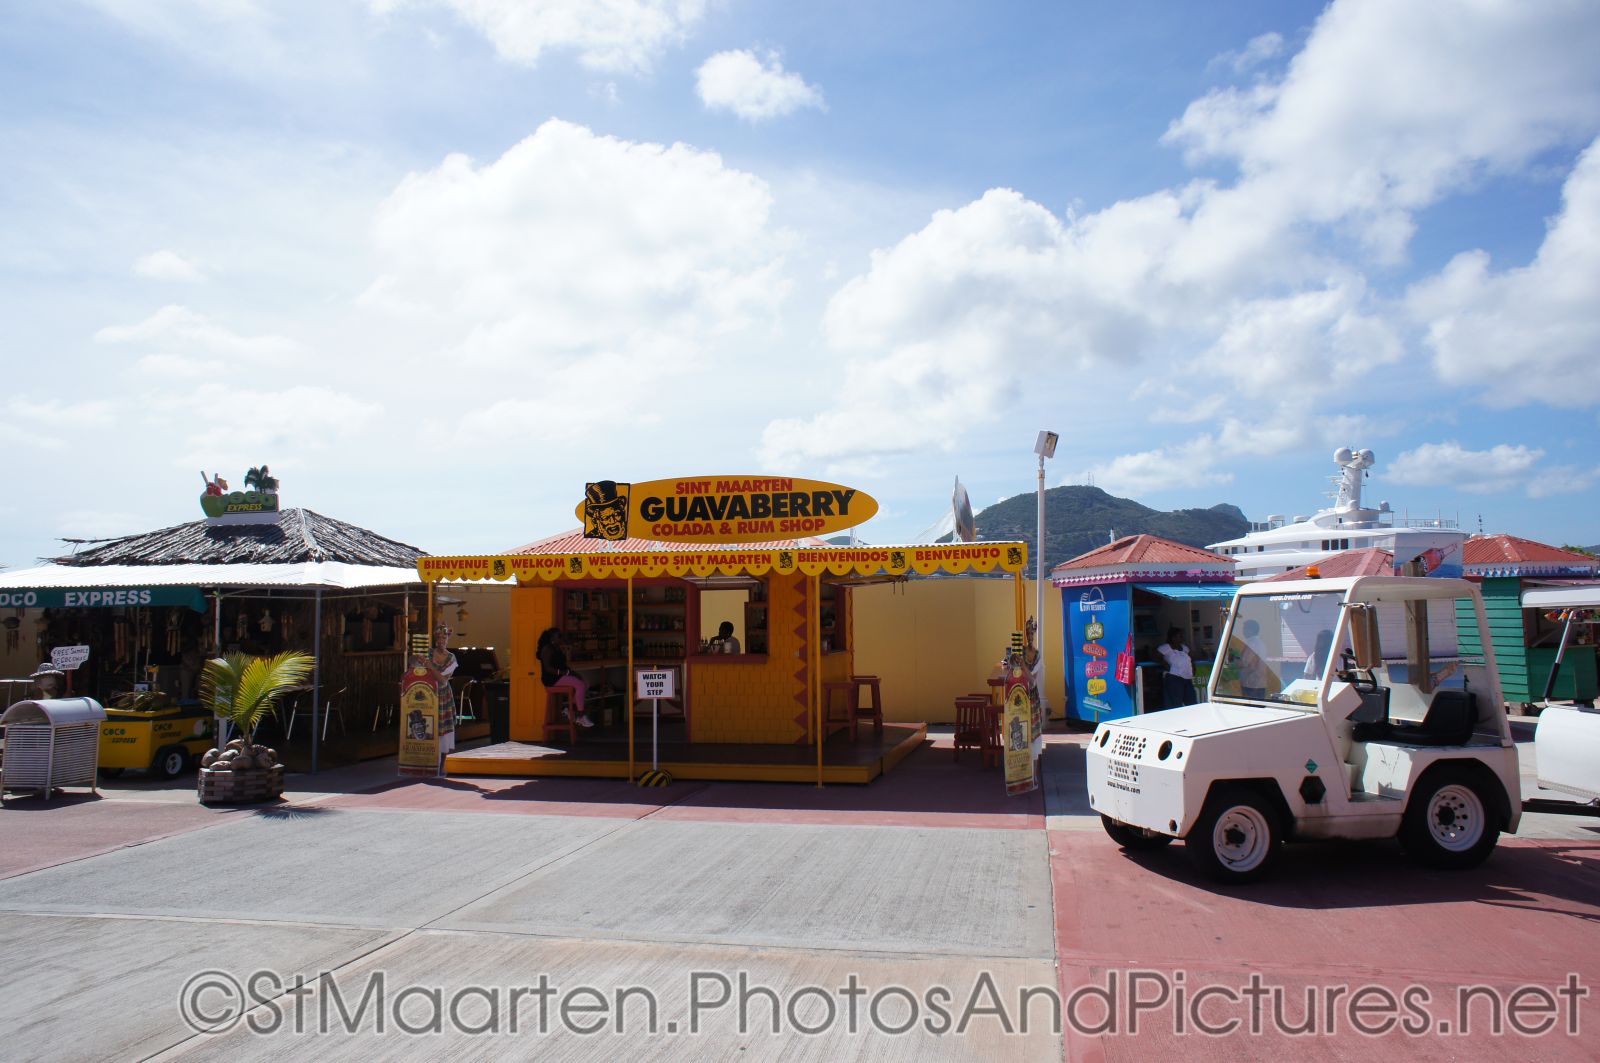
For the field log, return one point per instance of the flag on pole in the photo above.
(966, 529)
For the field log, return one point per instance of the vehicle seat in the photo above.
(1452, 714)
(1371, 717)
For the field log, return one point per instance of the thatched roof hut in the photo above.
(297, 536)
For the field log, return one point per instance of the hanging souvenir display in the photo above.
(241, 624)
(141, 619)
(266, 623)
(369, 614)
(120, 642)
(13, 633)
(41, 632)
(174, 632)
(286, 625)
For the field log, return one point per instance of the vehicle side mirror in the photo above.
(1364, 637)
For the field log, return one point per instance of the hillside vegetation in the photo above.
(1078, 519)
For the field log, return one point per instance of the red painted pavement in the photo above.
(540, 797)
(36, 834)
(927, 789)
(1332, 915)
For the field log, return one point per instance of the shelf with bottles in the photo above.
(662, 644)
(666, 623)
(593, 622)
(660, 597)
(833, 605)
(755, 627)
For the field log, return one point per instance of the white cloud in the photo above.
(1449, 464)
(572, 246)
(1563, 480)
(1002, 290)
(1191, 464)
(1288, 425)
(39, 423)
(753, 87)
(177, 366)
(1306, 339)
(293, 426)
(1388, 108)
(97, 524)
(180, 327)
(1529, 334)
(621, 36)
(1393, 104)
(167, 265)
(1257, 51)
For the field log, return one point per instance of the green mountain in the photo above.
(1078, 519)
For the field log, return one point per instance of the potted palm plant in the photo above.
(242, 690)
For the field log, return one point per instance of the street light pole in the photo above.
(1045, 447)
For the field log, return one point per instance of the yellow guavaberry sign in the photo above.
(721, 509)
(1009, 557)
(419, 723)
(1016, 739)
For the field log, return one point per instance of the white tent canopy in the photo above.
(1574, 596)
(310, 574)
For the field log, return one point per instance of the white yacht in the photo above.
(1280, 546)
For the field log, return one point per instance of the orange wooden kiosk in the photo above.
(763, 714)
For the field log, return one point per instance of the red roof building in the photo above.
(1485, 556)
(1370, 561)
(1146, 559)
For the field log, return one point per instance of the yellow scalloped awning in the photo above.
(732, 561)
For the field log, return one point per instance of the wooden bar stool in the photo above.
(990, 747)
(860, 711)
(844, 714)
(558, 714)
(970, 722)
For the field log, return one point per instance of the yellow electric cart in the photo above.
(166, 741)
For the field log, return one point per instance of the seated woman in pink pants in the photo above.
(555, 672)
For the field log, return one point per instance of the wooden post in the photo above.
(1022, 602)
(1418, 657)
(627, 680)
(316, 680)
(815, 644)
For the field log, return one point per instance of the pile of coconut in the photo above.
(239, 756)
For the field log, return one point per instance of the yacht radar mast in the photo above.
(1353, 465)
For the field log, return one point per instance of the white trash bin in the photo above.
(51, 744)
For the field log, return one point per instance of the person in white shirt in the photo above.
(1252, 662)
(1178, 684)
(725, 642)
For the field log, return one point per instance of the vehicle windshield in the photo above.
(1279, 646)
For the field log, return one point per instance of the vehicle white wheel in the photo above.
(1236, 837)
(1241, 838)
(171, 762)
(1455, 818)
(1451, 821)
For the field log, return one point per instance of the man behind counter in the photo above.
(725, 642)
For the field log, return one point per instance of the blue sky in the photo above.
(441, 262)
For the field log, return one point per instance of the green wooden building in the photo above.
(1524, 639)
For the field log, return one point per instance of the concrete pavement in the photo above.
(929, 892)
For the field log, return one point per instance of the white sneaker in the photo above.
(584, 721)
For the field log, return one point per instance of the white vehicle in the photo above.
(1338, 708)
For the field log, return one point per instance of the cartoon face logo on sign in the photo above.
(605, 511)
(721, 509)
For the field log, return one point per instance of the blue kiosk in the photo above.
(1118, 602)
